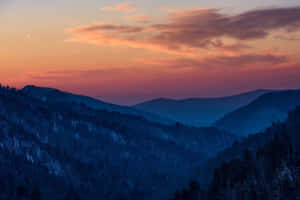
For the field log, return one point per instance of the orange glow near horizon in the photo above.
(124, 54)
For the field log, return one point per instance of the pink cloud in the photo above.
(120, 7)
(185, 32)
(263, 60)
(140, 18)
(287, 38)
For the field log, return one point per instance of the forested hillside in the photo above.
(54, 150)
(270, 171)
(261, 113)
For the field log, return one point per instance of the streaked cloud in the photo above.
(185, 32)
(220, 62)
(120, 7)
(122, 29)
(287, 38)
(71, 74)
(140, 18)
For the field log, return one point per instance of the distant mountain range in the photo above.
(241, 114)
(96, 150)
(261, 113)
(56, 144)
(198, 111)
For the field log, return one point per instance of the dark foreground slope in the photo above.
(262, 167)
(198, 111)
(261, 113)
(63, 150)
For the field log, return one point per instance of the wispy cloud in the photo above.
(120, 7)
(140, 18)
(184, 32)
(287, 38)
(220, 62)
(61, 75)
(122, 29)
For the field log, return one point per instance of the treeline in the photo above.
(272, 172)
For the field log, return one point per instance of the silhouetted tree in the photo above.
(22, 191)
(36, 194)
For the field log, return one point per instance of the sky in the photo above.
(126, 52)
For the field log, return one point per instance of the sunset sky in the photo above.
(125, 52)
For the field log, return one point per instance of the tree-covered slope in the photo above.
(57, 96)
(56, 147)
(265, 166)
(260, 113)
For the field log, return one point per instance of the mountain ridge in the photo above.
(206, 98)
(198, 111)
(260, 113)
(56, 95)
